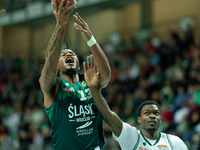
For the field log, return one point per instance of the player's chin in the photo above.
(70, 67)
(71, 70)
(152, 129)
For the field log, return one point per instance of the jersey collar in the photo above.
(148, 141)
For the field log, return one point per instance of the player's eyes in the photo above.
(63, 54)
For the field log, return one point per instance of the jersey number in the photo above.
(85, 96)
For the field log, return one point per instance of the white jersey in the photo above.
(133, 139)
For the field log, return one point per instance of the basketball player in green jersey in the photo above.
(76, 123)
(128, 137)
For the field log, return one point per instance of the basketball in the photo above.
(72, 2)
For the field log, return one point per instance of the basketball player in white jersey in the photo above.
(128, 137)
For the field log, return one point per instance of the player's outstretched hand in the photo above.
(60, 12)
(82, 26)
(90, 72)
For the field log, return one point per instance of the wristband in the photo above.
(91, 42)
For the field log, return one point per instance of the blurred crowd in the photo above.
(166, 71)
(13, 5)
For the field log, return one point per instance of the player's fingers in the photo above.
(71, 10)
(79, 28)
(55, 5)
(84, 67)
(81, 19)
(88, 62)
(96, 70)
(97, 75)
(82, 30)
(55, 2)
(92, 62)
(65, 6)
(78, 20)
(95, 67)
(61, 6)
(76, 25)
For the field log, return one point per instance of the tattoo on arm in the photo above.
(49, 72)
(55, 41)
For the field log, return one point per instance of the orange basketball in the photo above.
(72, 2)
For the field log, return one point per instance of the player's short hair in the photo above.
(148, 102)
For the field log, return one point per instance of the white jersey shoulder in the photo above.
(133, 139)
(177, 142)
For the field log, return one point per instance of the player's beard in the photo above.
(71, 71)
(152, 130)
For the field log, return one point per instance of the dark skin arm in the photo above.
(48, 79)
(101, 60)
(92, 79)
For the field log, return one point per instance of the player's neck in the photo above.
(73, 79)
(151, 136)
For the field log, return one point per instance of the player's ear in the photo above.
(139, 120)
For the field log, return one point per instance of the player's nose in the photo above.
(152, 115)
(69, 54)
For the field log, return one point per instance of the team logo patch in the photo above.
(67, 84)
(83, 84)
(68, 89)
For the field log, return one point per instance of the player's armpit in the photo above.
(115, 124)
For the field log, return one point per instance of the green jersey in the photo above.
(75, 120)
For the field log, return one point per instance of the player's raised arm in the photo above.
(92, 79)
(99, 56)
(48, 76)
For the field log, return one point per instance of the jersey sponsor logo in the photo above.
(81, 132)
(82, 119)
(81, 110)
(142, 148)
(162, 145)
(83, 84)
(84, 114)
(85, 125)
(68, 89)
